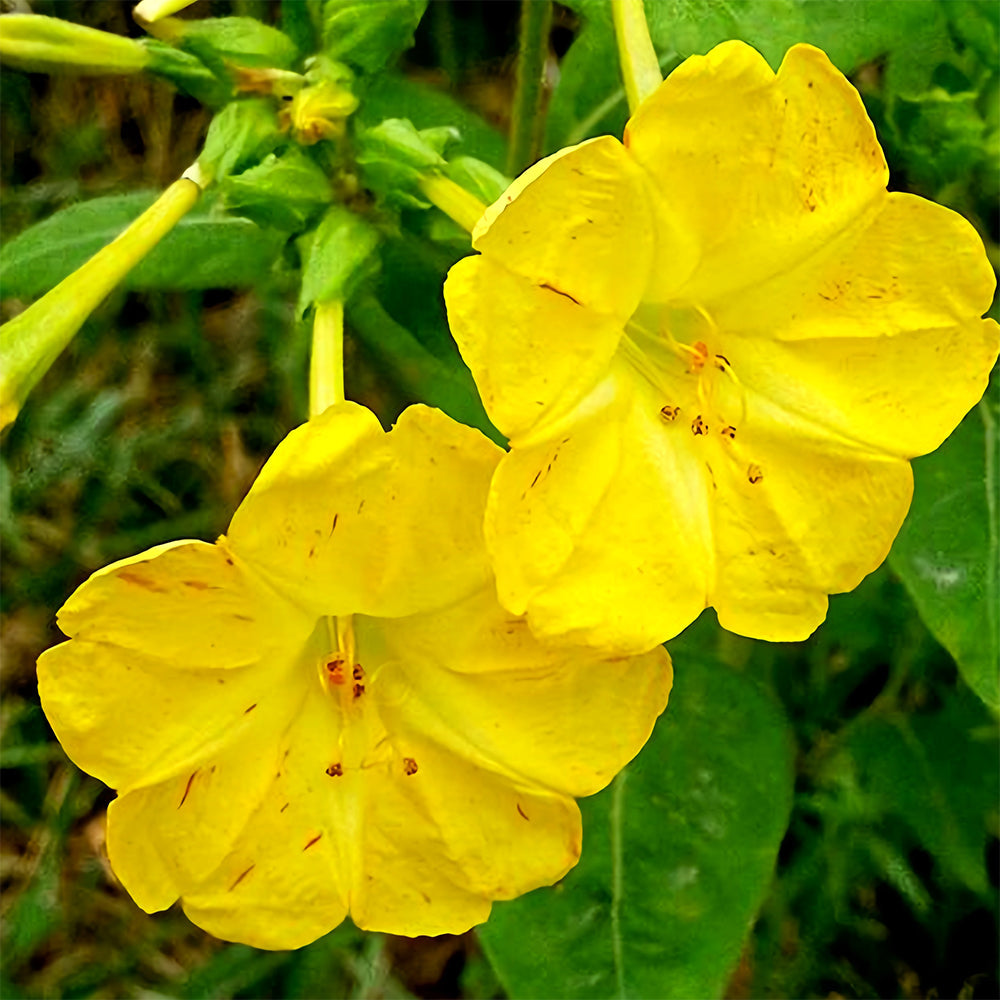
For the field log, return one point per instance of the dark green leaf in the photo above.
(678, 854)
(285, 192)
(202, 251)
(369, 34)
(393, 156)
(937, 774)
(947, 552)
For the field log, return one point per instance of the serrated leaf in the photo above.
(202, 251)
(677, 856)
(948, 553)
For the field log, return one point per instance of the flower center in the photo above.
(679, 353)
(361, 741)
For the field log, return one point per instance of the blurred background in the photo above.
(154, 422)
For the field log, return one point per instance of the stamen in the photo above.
(335, 770)
(409, 765)
(754, 473)
(698, 426)
(669, 413)
(728, 431)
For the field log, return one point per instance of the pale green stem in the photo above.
(527, 120)
(326, 363)
(457, 203)
(32, 340)
(149, 11)
(43, 44)
(639, 65)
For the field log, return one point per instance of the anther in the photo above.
(335, 770)
(699, 355)
(335, 670)
(722, 362)
(359, 690)
(359, 673)
(728, 431)
(698, 426)
(754, 474)
(409, 765)
(669, 412)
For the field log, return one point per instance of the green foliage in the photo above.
(678, 854)
(244, 41)
(230, 252)
(336, 257)
(188, 73)
(285, 191)
(369, 34)
(240, 135)
(948, 553)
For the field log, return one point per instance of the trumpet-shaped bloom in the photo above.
(327, 711)
(714, 348)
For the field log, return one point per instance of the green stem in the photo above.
(32, 340)
(639, 65)
(457, 203)
(326, 364)
(528, 120)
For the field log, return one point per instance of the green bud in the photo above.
(240, 136)
(283, 192)
(369, 34)
(336, 257)
(42, 44)
(394, 157)
(478, 178)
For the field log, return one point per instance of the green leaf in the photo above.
(284, 192)
(369, 34)
(239, 136)
(202, 251)
(937, 774)
(947, 552)
(336, 256)
(241, 40)
(677, 856)
(590, 100)
(394, 96)
(188, 73)
(393, 157)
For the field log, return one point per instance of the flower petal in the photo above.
(286, 880)
(577, 222)
(131, 721)
(912, 266)
(602, 536)
(228, 615)
(476, 682)
(345, 519)
(899, 395)
(551, 353)
(760, 169)
(819, 518)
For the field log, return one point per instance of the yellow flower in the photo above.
(327, 712)
(714, 349)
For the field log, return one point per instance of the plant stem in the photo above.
(457, 203)
(326, 364)
(528, 120)
(639, 65)
(32, 340)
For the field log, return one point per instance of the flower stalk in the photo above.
(458, 204)
(31, 342)
(41, 44)
(326, 363)
(528, 120)
(640, 67)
